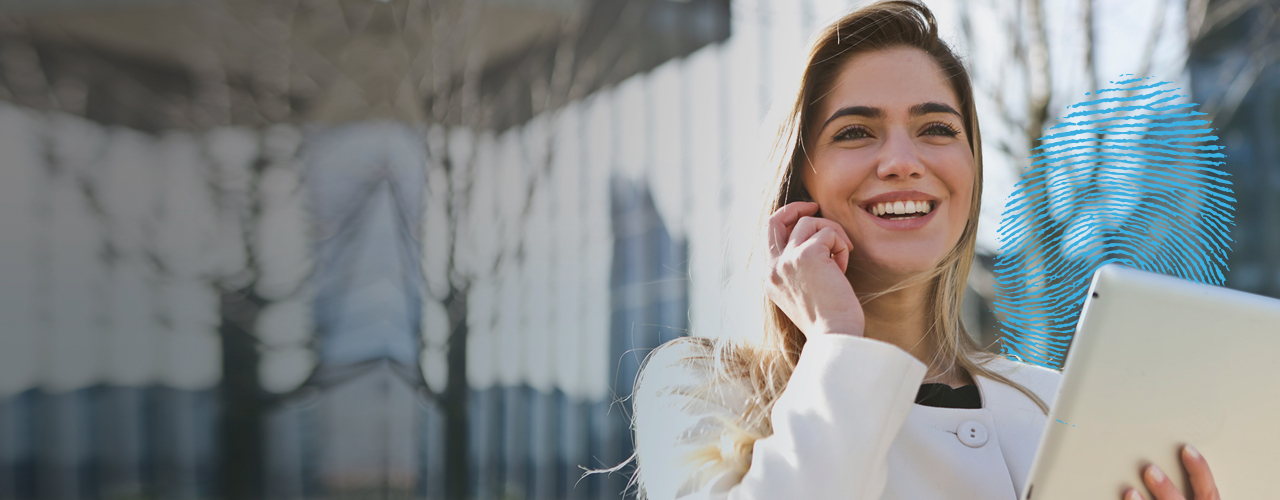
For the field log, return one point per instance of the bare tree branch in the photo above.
(1040, 76)
(1249, 63)
(1090, 46)
(1223, 13)
(1148, 54)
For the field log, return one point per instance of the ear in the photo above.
(802, 194)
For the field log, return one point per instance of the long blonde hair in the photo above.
(766, 365)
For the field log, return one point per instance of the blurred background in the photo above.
(304, 249)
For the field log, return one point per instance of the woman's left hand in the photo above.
(1202, 484)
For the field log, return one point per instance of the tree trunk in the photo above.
(240, 467)
(1040, 75)
(457, 467)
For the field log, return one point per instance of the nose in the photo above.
(898, 159)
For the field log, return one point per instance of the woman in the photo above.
(872, 231)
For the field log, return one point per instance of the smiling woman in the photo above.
(865, 384)
(891, 159)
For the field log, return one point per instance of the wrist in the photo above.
(840, 329)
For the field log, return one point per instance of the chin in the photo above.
(894, 264)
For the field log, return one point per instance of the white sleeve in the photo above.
(832, 427)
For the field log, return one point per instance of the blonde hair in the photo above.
(766, 365)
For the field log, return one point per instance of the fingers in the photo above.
(827, 243)
(842, 252)
(838, 245)
(1202, 484)
(1160, 485)
(806, 227)
(794, 224)
(782, 221)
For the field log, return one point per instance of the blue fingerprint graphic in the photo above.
(1129, 176)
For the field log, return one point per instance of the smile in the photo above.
(900, 210)
(921, 213)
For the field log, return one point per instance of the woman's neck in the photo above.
(899, 318)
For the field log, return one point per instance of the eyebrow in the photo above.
(932, 107)
(877, 113)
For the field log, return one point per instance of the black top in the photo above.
(943, 396)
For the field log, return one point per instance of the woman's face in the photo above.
(889, 136)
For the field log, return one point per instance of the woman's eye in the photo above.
(942, 129)
(852, 132)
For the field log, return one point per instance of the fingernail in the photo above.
(1192, 452)
(1154, 472)
(1133, 495)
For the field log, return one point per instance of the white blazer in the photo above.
(847, 427)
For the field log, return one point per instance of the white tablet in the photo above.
(1157, 362)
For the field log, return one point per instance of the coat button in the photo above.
(972, 434)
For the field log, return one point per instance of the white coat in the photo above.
(846, 427)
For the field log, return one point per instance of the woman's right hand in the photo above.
(808, 257)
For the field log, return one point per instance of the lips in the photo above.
(903, 224)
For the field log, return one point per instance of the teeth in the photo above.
(900, 207)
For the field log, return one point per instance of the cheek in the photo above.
(834, 176)
(960, 216)
(961, 188)
(843, 169)
(960, 181)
